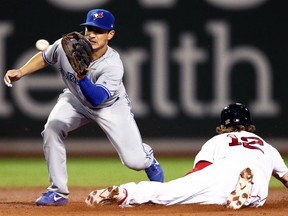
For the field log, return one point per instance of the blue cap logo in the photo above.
(100, 18)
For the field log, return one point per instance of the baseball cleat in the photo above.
(51, 198)
(238, 197)
(155, 172)
(106, 196)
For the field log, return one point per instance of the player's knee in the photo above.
(54, 128)
(136, 163)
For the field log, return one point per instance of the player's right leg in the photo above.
(64, 118)
(52, 198)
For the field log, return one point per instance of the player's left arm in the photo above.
(95, 94)
(98, 90)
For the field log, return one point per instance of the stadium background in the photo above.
(184, 61)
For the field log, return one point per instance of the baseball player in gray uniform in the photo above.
(233, 168)
(99, 97)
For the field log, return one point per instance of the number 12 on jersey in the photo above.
(246, 142)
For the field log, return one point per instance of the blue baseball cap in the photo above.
(100, 18)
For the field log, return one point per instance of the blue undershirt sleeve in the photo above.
(96, 95)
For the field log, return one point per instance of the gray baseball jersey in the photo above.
(107, 72)
(73, 111)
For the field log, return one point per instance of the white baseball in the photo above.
(42, 44)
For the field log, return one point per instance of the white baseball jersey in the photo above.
(73, 111)
(229, 154)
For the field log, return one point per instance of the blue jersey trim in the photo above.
(95, 94)
(46, 60)
(108, 92)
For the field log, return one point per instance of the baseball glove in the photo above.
(78, 51)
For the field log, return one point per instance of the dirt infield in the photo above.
(20, 202)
